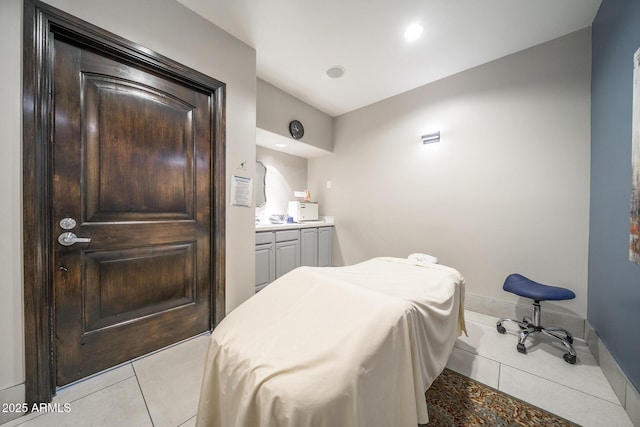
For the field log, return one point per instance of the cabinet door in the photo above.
(324, 246)
(287, 256)
(265, 265)
(309, 247)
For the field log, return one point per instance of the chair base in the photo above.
(530, 327)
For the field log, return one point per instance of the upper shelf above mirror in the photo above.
(273, 141)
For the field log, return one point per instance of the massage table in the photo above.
(335, 346)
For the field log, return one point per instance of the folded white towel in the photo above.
(423, 258)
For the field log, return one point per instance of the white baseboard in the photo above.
(551, 314)
(622, 387)
(11, 395)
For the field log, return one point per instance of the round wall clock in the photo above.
(296, 129)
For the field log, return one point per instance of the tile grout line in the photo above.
(499, 388)
(501, 364)
(144, 399)
(563, 385)
(98, 390)
(30, 418)
(92, 376)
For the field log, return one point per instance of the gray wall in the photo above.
(170, 29)
(506, 190)
(614, 282)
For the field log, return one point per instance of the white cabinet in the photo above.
(325, 242)
(265, 259)
(277, 253)
(309, 247)
(315, 246)
(280, 251)
(287, 251)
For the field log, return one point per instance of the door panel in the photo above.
(132, 165)
(167, 282)
(145, 132)
(324, 246)
(287, 257)
(265, 265)
(309, 247)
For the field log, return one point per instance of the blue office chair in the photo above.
(520, 285)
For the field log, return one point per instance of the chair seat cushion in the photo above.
(520, 285)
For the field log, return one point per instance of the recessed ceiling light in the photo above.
(413, 32)
(335, 72)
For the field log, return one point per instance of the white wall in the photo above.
(11, 313)
(172, 30)
(506, 190)
(276, 108)
(285, 174)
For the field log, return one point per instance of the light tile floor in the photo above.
(579, 393)
(162, 389)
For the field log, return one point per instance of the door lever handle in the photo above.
(69, 238)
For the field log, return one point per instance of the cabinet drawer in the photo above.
(285, 235)
(266, 237)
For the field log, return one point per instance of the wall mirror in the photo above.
(261, 191)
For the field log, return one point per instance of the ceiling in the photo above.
(296, 41)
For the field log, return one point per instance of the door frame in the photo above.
(41, 23)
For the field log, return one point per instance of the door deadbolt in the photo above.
(68, 223)
(68, 239)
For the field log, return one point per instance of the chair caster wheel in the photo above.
(569, 358)
(501, 329)
(522, 349)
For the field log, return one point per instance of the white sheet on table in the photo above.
(338, 346)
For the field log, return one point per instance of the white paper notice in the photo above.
(241, 191)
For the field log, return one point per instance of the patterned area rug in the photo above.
(455, 400)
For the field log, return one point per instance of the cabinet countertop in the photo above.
(296, 225)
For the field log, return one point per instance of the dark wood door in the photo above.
(132, 162)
